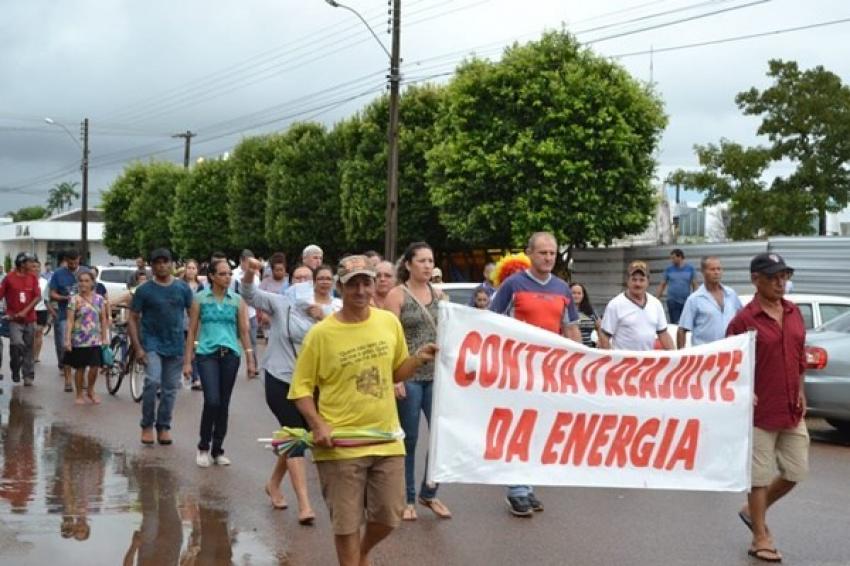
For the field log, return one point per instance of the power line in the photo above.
(239, 79)
(732, 39)
(208, 82)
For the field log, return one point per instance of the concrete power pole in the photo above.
(391, 237)
(187, 135)
(84, 214)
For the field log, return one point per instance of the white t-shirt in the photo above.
(631, 326)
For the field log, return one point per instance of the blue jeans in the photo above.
(519, 490)
(218, 376)
(674, 310)
(418, 399)
(162, 373)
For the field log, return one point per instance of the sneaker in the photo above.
(28, 381)
(536, 504)
(519, 506)
(203, 459)
(221, 460)
(16, 378)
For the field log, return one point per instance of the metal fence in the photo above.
(821, 264)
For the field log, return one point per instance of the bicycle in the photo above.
(124, 364)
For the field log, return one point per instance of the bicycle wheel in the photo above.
(137, 380)
(115, 373)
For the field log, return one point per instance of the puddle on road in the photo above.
(65, 497)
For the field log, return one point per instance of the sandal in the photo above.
(409, 513)
(437, 506)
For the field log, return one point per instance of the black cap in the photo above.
(769, 264)
(160, 253)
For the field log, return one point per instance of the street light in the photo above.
(391, 221)
(84, 167)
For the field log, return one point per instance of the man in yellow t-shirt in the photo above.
(353, 358)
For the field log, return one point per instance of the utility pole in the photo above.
(390, 240)
(187, 135)
(84, 214)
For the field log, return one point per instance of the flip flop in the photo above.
(758, 554)
(409, 513)
(437, 506)
(307, 521)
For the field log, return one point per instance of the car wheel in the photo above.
(842, 426)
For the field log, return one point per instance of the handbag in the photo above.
(106, 357)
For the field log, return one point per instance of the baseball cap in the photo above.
(638, 266)
(160, 253)
(246, 253)
(354, 265)
(769, 264)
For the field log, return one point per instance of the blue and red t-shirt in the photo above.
(546, 305)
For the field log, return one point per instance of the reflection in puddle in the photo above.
(64, 496)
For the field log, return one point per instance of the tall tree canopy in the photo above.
(247, 191)
(199, 223)
(363, 175)
(118, 227)
(552, 137)
(303, 192)
(806, 116)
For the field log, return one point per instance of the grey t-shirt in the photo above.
(287, 327)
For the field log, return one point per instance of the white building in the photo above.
(47, 237)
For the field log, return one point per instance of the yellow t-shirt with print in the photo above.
(352, 364)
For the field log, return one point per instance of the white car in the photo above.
(816, 309)
(459, 293)
(115, 278)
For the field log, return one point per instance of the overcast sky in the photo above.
(142, 71)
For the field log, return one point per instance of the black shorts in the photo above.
(87, 357)
(41, 318)
(284, 410)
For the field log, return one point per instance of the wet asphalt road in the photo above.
(78, 488)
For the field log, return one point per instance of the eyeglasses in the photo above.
(387, 275)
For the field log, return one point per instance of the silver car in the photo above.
(827, 379)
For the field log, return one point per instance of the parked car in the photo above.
(115, 278)
(816, 309)
(827, 381)
(459, 293)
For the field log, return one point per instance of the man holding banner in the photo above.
(537, 297)
(780, 437)
(352, 358)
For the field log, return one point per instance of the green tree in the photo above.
(734, 174)
(62, 195)
(151, 208)
(247, 190)
(552, 137)
(363, 171)
(806, 117)
(303, 204)
(118, 223)
(29, 213)
(199, 223)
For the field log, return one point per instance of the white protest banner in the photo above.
(514, 404)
